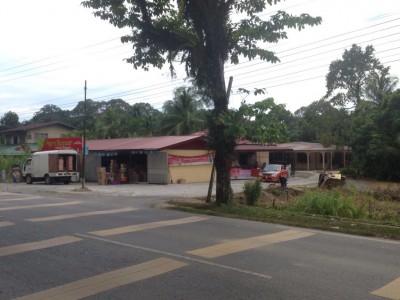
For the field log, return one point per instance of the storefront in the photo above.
(161, 160)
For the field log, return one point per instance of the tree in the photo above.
(321, 122)
(203, 35)
(376, 139)
(9, 120)
(378, 84)
(347, 77)
(264, 122)
(50, 113)
(147, 119)
(182, 114)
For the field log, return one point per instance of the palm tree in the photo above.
(182, 114)
(378, 84)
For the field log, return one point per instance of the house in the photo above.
(301, 156)
(26, 137)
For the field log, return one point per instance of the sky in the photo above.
(48, 49)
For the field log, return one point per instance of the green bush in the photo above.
(7, 161)
(252, 192)
(330, 203)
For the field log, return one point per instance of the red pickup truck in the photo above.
(273, 172)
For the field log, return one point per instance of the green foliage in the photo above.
(9, 120)
(330, 203)
(323, 123)
(182, 115)
(375, 139)
(252, 192)
(378, 84)
(347, 77)
(50, 113)
(7, 161)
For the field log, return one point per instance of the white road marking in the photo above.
(84, 214)
(110, 280)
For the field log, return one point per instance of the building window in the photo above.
(39, 136)
(15, 140)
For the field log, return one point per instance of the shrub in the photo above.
(330, 203)
(252, 192)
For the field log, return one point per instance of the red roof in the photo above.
(37, 125)
(142, 143)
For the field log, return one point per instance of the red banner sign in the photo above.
(73, 143)
(175, 160)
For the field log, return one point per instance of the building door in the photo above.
(157, 168)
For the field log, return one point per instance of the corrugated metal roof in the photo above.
(141, 143)
(304, 146)
(259, 148)
(37, 125)
(285, 147)
(17, 149)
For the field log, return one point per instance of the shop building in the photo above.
(160, 160)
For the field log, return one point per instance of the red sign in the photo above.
(73, 143)
(175, 160)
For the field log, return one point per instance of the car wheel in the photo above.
(47, 179)
(28, 179)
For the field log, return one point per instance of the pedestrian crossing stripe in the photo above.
(106, 281)
(5, 223)
(249, 243)
(145, 226)
(21, 248)
(20, 198)
(39, 205)
(79, 215)
(389, 291)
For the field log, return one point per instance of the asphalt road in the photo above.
(58, 243)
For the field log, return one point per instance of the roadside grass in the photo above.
(344, 209)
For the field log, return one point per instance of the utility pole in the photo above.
(210, 186)
(84, 141)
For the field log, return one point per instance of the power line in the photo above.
(127, 93)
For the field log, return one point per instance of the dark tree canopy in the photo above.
(9, 120)
(347, 76)
(50, 113)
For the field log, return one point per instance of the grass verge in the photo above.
(285, 215)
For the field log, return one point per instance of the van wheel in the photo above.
(28, 179)
(47, 179)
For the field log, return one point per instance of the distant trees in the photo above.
(372, 126)
(50, 113)
(347, 77)
(375, 139)
(9, 120)
(322, 122)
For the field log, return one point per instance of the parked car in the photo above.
(273, 173)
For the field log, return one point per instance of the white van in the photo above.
(51, 166)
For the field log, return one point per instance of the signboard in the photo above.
(70, 143)
(239, 173)
(176, 160)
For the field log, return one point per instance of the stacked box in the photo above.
(101, 175)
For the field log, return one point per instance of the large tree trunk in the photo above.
(211, 53)
(223, 143)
